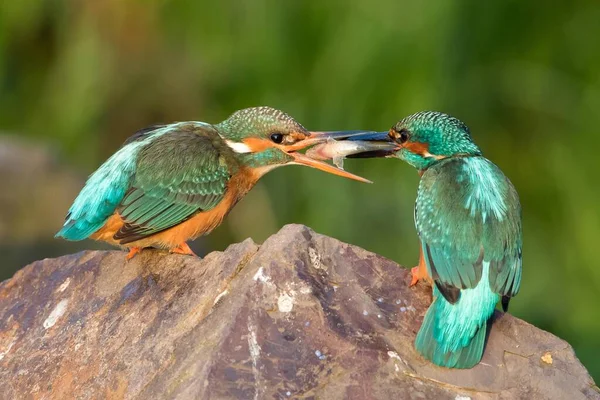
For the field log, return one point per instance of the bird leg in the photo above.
(183, 248)
(132, 252)
(419, 272)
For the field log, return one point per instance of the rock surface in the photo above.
(302, 316)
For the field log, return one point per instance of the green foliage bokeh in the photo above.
(84, 75)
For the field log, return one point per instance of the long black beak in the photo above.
(338, 135)
(376, 144)
(369, 136)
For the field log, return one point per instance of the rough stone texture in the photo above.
(302, 316)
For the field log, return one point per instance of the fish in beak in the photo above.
(356, 145)
(320, 139)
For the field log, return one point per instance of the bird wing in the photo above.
(177, 175)
(105, 188)
(467, 214)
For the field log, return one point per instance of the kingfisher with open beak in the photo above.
(468, 218)
(171, 183)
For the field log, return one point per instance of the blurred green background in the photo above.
(78, 77)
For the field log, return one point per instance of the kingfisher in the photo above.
(171, 183)
(468, 219)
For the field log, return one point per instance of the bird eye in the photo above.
(277, 137)
(403, 135)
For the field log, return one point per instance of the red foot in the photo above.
(419, 273)
(183, 248)
(132, 252)
(414, 271)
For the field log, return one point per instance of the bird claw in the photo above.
(414, 272)
(132, 252)
(183, 248)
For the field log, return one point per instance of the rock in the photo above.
(302, 316)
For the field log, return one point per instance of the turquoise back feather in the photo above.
(468, 212)
(104, 190)
(469, 221)
(453, 335)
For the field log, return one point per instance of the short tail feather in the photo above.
(464, 357)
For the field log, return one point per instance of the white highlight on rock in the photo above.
(220, 295)
(254, 349)
(64, 285)
(306, 290)
(394, 355)
(261, 277)
(238, 147)
(253, 346)
(315, 258)
(459, 397)
(5, 352)
(55, 315)
(285, 303)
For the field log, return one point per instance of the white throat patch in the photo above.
(238, 147)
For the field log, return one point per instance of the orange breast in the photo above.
(200, 224)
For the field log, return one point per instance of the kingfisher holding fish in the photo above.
(468, 218)
(172, 183)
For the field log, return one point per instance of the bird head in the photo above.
(421, 139)
(426, 137)
(266, 138)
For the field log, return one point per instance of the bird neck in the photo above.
(423, 161)
(232, 130)
(261, 159)
(264, 161)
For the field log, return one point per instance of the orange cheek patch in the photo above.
(421, 149)
(417, 147)
(257, 145)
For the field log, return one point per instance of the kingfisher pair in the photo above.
(172, 183)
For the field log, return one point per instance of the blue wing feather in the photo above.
(103, 192)
(468, 212)
(469, 222)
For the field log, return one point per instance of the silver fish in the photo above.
(337, 150)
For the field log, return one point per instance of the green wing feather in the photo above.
(179, 174)
(468, 213)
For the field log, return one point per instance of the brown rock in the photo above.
(302, 316)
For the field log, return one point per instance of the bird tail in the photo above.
(453, 335)
(73, 231)
(464, 354)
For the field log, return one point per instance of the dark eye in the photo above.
(402, 135)
(277, 137)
